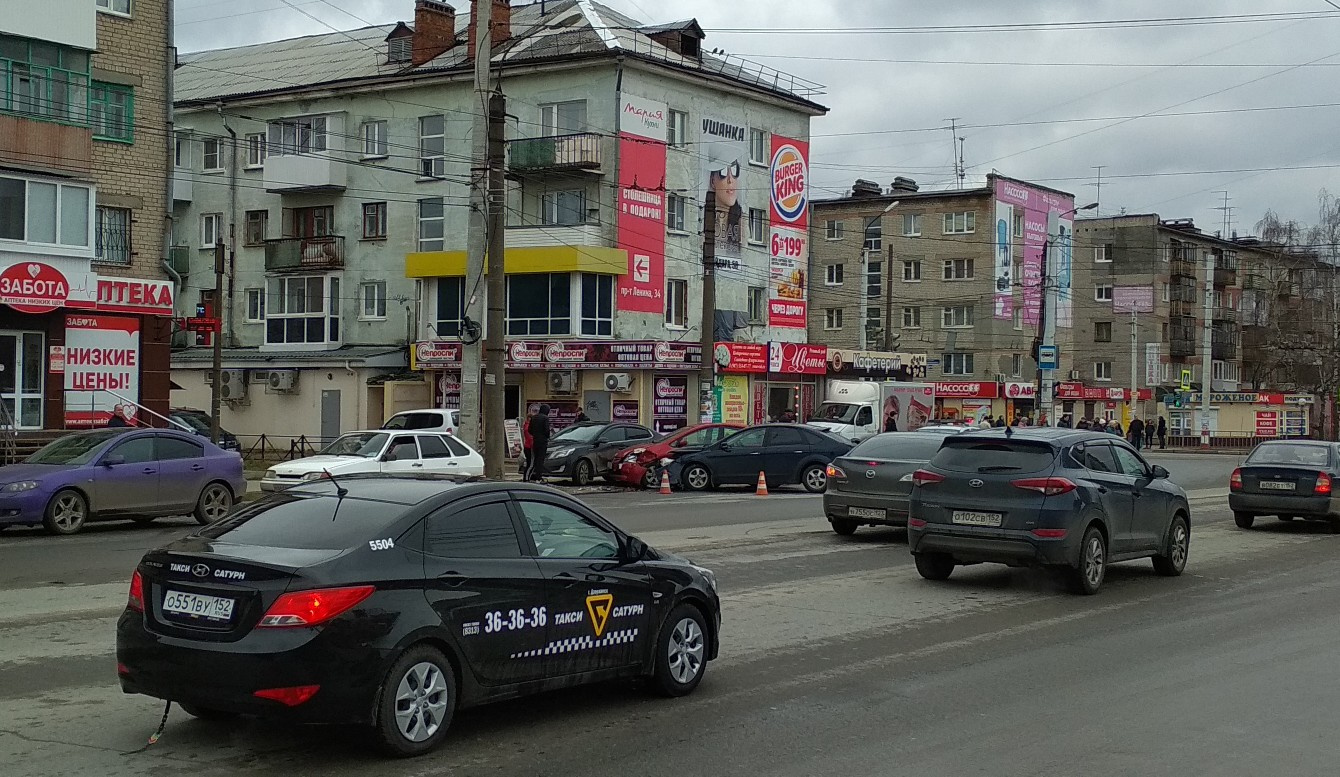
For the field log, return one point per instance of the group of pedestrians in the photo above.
(535, 433)
(1141, 434)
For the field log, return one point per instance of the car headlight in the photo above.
(665, 462)
(561, 453)
(634, 452)
(270, 474)
(22, 485)
(709, 576)
(313, 476)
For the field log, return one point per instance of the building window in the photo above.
(674, 213)
(758, 146)
(115, 6)
(255, 313)
(677, 134)
(450, 307)
(432, 221)
(832, 318)
(1102, 331)
(1018, 224)
(113, 235)
(44, 81)
(912, 318)
(1166, 292)
(539, 304)
(1102, 292)
(1018, 318)
(374, 138)
(874, 323)
(676, 303)
(181, 157)
(956, 363)
(111, 112)
(212, 156)
(302, 310)
(432, 146)
(565, 118)
(833, 275)
(291, 137)
(833, 229)
(374, 220)
(564, 208)
(911, 270)
(960, 223)
(209, 229)
(253, 233)
(957, 317)
(958, 270)
(911, 224)
(597, 305)
(1102, 254)
(874, 234)
(758, 304)
(372, 295)
(255, 150)
(1016, 364)
(1102, 370)
(874, 279)
(757, 219)
(33, 211)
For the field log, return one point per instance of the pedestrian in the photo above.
(581, 418)
(1000, 421)
(1163, 433)
(118, 419)
(539, 432)
(1066, 421)
(1114, 427)
(986, 422)
(527, 447)
(1149, 435)
(1136, 433)
(1083, 423)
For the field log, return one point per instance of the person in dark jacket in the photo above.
(1136, 433)
(527, 447)
(1114, 426)
(539, 434)
(118, 419)
(1162, 433)
(1149, 434)
(1000, 421)
(581, 418)
(1083, 424)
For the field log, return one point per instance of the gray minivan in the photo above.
(872, 485)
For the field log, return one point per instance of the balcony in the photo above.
(1224, 343)
(1254, 282)
(1222, 313)
(1181, 309)
(1181, 266)
(541, 235)
(1181, 346)
(304, 173)
(297, 254)
(1182, 336)
(183, 181)
(580, 152)
(34, 144)
(1287, 289)
(1225, 276)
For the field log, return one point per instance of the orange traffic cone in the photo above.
(762, 488)
(665, 483)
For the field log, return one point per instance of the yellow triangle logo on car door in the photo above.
(599, 606)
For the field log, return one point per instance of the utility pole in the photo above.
(1098, 183)
(1207, 352)
(495, 342)
(1135, 358)
(707, 329)
(477, 230)
(1042, 398)
(216, 389)
(888, 298)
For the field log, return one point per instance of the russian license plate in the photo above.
(210, 608)
(1278, 485)
(967, 518)
(866, 512)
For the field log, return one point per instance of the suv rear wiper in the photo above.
(998, 468)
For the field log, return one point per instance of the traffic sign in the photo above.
(1186, 380)
(1048, 357)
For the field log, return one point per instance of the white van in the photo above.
(429, 420)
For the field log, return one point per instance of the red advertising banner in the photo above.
(102, 368)
(788, 243)
(742, 357)
(670, 403)
(1267, 423)
(641, 223)
(967, 390)
(797, 358)
(572, 354)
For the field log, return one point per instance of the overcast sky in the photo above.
(889, 94)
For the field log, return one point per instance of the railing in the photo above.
(1237, 441)
(1254, 282)
(1183, 267)
(1223, 313)
(273, 448)
(581, 151)
(1180, 346)
(1225, 276)
(9, 435)
(304, 253)
(727, 65)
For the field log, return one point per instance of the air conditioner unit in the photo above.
(283, 381)
(1074, 374)
(619, 382)
(233, 384)
(563, 382)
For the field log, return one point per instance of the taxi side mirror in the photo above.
(634, 550)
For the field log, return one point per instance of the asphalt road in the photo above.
(836, 658)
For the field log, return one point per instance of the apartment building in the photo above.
(347, 202)
(85, 300)
(954, 274)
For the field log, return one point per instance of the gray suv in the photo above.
(1065, 499)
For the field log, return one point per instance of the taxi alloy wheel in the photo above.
(214, 503)
(681, 656)
(418, 700)
(66, 512)
(583, 472)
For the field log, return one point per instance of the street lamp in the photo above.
(865, 278)
(1047, 317)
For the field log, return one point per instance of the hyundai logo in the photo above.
(975, 483)
(870, 473)
(200, 570)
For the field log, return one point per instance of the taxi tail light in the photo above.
(924, 477)
(311, 608)
(136, 599)
(1049, 534)
(1045, 486)
(1323, 484)
(289, 697)
(835, 472)
(1235, 480)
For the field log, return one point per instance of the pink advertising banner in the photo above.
(641, 215)
(1029, 206)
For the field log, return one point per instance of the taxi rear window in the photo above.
(309, 522)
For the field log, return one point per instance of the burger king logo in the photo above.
(790, 175)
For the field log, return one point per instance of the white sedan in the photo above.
(382, 451)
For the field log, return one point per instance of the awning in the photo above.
(516, 261)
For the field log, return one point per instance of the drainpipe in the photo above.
(169, 223)
(228, 307)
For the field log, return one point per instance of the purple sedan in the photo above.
(136, 474)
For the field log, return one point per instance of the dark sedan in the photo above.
(872, 485)
(1288, 479)
(395, 602)
(785, 454)
(583, 452)
(198, 421)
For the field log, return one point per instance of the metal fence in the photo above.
(275, 448)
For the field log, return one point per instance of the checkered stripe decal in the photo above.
(573, 644)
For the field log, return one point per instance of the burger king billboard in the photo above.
(788, 244)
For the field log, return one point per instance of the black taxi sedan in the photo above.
(393, 602)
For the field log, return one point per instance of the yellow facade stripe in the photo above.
(592, 259)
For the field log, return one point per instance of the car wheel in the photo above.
(1243, 520)
(814, 479)
(1178, 544)
(206, 713)
(583, 472)
(651, 479)
(66, 512)
(697, 478)
(681, 654)
(934, 566)
(1087, 577)
(843, 526)
(416, 703)
(214, 503)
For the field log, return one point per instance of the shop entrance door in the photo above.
(22, 372)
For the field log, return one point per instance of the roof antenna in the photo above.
(340, 491)
(1009, 431)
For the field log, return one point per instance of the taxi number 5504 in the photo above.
(515, 620)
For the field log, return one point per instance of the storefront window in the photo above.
(539, 304)
(35, 211)
(450, 307)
